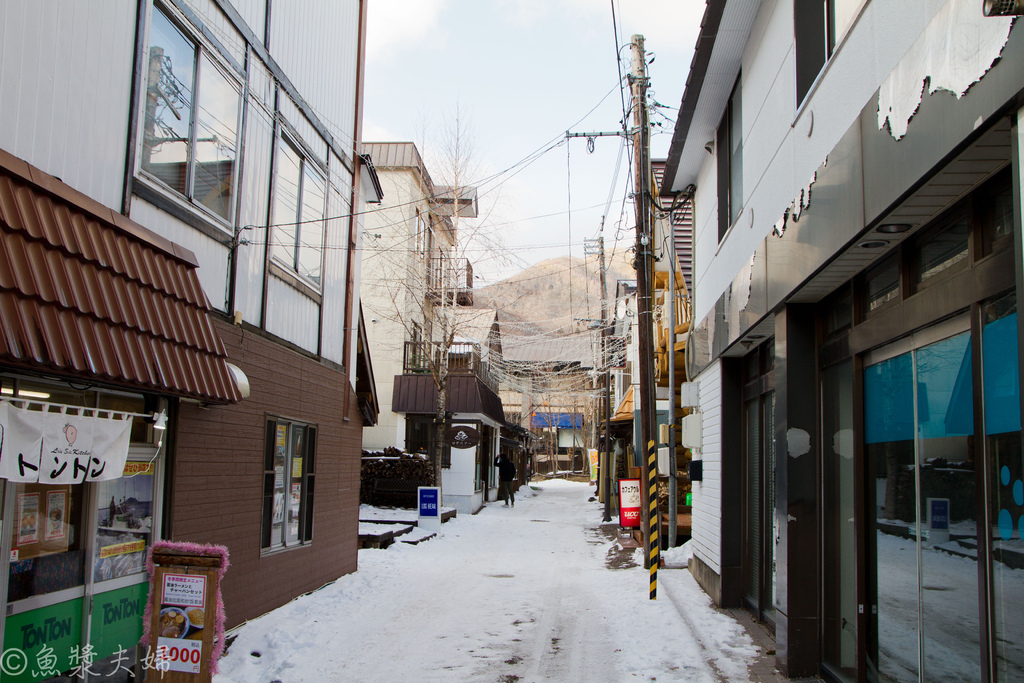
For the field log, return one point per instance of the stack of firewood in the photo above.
(392, 463)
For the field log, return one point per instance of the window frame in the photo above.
(975, 210)
(283, 142)
(304, 513)
(730, 162)
(960, 214)
(204, 58)
(816, 39)
(414, 420)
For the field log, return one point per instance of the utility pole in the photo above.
(606, 468)
(673, 485)
(645, 319)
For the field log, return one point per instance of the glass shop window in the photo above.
(996, 209)
(48, 539)
(290, 464)
(49, 533)
(124, 522)
(943, 250)
(881, 286)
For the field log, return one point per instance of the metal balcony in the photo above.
(463, 359)
(450, 279)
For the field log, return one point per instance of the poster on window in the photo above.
(28, 518)
(56, 507)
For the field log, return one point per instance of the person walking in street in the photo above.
(506, 479)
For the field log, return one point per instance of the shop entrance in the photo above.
(921, 460)
(760, 526)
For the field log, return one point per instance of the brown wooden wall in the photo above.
(216, 475)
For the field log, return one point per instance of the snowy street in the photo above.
(527, 593)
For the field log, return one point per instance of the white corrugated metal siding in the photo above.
(218, 23)
(292, 315)
(65, 82)
(316, 44)
(335, 266)
(211, 254)
(707, 494)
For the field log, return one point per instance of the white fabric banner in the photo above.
(60, 448)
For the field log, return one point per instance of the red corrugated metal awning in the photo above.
(86, 292)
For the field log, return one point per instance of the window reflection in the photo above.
(48, 540)
(300, 196)
(1006, 473)
(943, 249)
(124, 522)
(882, 285)
(920, 447)
(216, 140)
(189, 101)
(169, 91)
(839, 538)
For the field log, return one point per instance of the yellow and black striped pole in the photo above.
(655, 544)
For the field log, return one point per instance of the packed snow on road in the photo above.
(534, 592)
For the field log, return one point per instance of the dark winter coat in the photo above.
(506, 468)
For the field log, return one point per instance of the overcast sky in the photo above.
(520, 73)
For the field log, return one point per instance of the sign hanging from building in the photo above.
(59, 448)
(461, 436)
(629, 502)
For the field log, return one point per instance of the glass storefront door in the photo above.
(1005, 475)
(760, 523)
(922, 509)
(76, 583)
(838, 533)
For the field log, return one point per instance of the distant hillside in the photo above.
(537, 299)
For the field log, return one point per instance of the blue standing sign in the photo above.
(938, 520)
(429, 506)
(939, 513)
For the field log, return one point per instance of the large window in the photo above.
(288, 478)
(921, 450)
(300, 196)
(819, 27)
(419, 438)
(190, 137)
(730, 164)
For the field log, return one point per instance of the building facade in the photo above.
(855, 168)
(181, 192)
(418, 294)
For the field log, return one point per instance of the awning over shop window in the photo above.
(624, 411)
(466, 394)
(86, 292)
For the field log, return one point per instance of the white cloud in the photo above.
(394, 26)
(668, 26)
(372, 132)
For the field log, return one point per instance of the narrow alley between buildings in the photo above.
(538, 591)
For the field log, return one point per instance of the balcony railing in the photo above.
(463, 359)
(450, 278)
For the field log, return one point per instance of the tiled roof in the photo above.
(86, 292)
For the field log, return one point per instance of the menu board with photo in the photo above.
(56, 513)
(28, 518)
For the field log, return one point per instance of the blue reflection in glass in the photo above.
(889, 401)
(1002, 382)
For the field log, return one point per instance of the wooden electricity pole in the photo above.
(645, 319)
